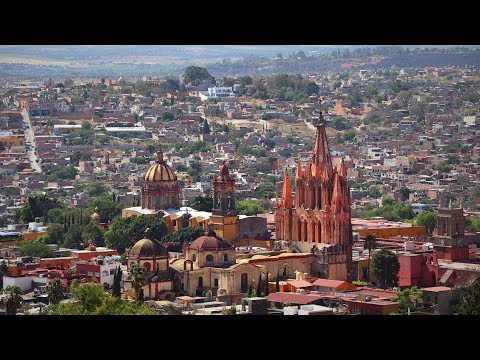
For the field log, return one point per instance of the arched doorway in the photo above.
(200, 282)
(244, 282)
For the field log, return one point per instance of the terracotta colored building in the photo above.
(450, 243)
(320, 215)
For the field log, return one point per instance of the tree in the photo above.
(168, 116)
(96, 188)
(185, 235)
(249, 207)
(3, 271)
(37, 206)
(386, 266)
(108, 208)
(205, 127)
(12, 299)
(203, 203)
(151, 148)
(266, 285)
(2, 146)
(55, 291)
(473, 224)
(369, 244)
(55, 234)
(469, 299)
(125, 232)
(427, 219)
(93, 234)
(137, 274)
(117, 278)
(196, 75)
(408, 298)
(91, 299)
(73, 237)
(277, 283)
(36, 248)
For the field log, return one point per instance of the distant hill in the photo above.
(38, 62)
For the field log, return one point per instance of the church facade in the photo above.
(318, 219)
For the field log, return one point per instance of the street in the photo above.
(30, 140)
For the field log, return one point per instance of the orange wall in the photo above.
(386, 233)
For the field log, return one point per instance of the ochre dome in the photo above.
(160, 171)
(147, 247)
(210, 241)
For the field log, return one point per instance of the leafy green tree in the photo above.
(203, 203)
(196, 75)
(12, 299)
(36, 248)
(409, 297)
(386, 266)
(369, 244)
(96, 188)
(138, 275)
(108, 208)
(387, 201)
(259, 285)
(205, 127)
(473, 224)
(427, 219)
(249, 207)
(168, 116)
(55, 234)
(37, 206)
(185, 235)
(125, 232)
(117, 278)
(56, 215)
(2, 146)
(55, 291)
(469, 299)
(91, 299)
(181, 167)
(3, 271)
(265, 191)
(93, 234)
(73, 237)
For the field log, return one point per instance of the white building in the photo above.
(216, 92)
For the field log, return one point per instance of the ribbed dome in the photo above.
(210, 241)
(160, 171)
(147, 247)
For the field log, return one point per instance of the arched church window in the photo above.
(225, 257)
(194, 257)
(209, 258)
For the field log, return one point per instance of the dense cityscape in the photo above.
(340, 183)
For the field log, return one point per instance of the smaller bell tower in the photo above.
(224, 214)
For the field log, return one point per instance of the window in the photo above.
(97, 274)
(82, 272)
(209, 258)
(225, 257)
(112, 271)
(147, 266)
(90, 273)
(355, 311)
(194, 257)
(200, 282)
(244, 282)
(215, 282)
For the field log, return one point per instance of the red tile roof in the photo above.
(293, 298)
(328, 283)
(437, 288)
(299, 283)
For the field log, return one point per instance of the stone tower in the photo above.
(319, 218)
(224, 214)
(450, 243)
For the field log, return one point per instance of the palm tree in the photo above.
(369, 244)
(139, 279)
